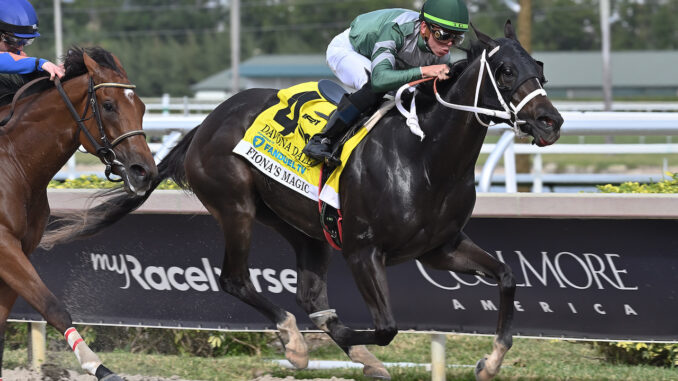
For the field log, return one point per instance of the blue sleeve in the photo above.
(41, 61)
(16, 64)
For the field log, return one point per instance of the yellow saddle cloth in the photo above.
(274, 141)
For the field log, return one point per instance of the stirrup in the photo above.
(332, 161)
(318, 148)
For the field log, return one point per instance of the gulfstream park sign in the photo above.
(576, 278)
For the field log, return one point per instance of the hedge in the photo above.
(642, 353)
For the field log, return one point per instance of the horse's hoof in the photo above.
(112, 377)
(375, 372)
(296, 350)
(104, 374)
(298, 360)
(481, 372)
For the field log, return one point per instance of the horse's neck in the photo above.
(43, 134)
(455, 137)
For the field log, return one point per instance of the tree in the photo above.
(167, 45)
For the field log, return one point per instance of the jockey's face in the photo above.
(440, 40)
(9, 43)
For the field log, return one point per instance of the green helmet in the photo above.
(448, 14)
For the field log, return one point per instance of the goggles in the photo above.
(16, 41)
(444, 36)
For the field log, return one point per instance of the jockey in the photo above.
(18, 28)
(396, 46)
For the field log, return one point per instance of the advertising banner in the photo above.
(577, 278)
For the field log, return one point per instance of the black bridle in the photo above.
(104, 150)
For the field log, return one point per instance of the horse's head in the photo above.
(519, 79)
(116, 123)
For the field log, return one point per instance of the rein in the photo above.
(508, 114)
(17, 96)
(104, 150)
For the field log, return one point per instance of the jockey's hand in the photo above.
(53, 70)
(439, 71)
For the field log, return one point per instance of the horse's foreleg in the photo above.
(464, 256)
(369, 272)
(19, 274)
(313, 258)
(7, 299)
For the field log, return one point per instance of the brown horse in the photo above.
(402, 198)
(35, 143)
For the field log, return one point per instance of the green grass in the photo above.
(529, 359)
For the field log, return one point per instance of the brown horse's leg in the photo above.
(313, 259)
(464, 256)
(20, 275)
(7, 299)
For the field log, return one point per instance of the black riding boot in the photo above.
(321, 145)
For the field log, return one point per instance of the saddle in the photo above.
(274, 142)
(331, 217)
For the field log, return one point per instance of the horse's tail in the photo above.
(115, 203)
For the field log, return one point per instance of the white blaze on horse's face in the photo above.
(130, 94)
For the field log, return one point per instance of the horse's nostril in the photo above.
(546, 121)
(138, 171)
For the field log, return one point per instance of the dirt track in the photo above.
(63, 375)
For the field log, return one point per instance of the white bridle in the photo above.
(508, 114)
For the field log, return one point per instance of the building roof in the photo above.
(270, 66)
(562, 69)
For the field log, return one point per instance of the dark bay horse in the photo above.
(402, 199)
(35, 143)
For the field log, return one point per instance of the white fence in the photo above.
(186, 106)
(169, 128)
(582, 124)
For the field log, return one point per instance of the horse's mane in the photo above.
(426, 97)
(425, 94)
(74, 64)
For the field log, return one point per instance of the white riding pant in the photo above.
(348, 65)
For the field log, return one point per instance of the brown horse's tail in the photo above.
(114, 204)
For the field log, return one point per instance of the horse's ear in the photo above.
(485, 39)
(509, 32)
(119, 65)
(92, 66)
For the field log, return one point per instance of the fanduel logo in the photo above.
(174, 278)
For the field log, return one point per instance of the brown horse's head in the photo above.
(118, 112)
(519, 79)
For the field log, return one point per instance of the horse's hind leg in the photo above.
(234, 207)
(19, 274)
(313, 258)
(466, 257)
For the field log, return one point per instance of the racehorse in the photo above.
(402, 198)
(41, 132)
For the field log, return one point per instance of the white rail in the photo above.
(188, 106)
(577, 123)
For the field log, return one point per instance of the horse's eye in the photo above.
(507, 71)
(108, 106)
